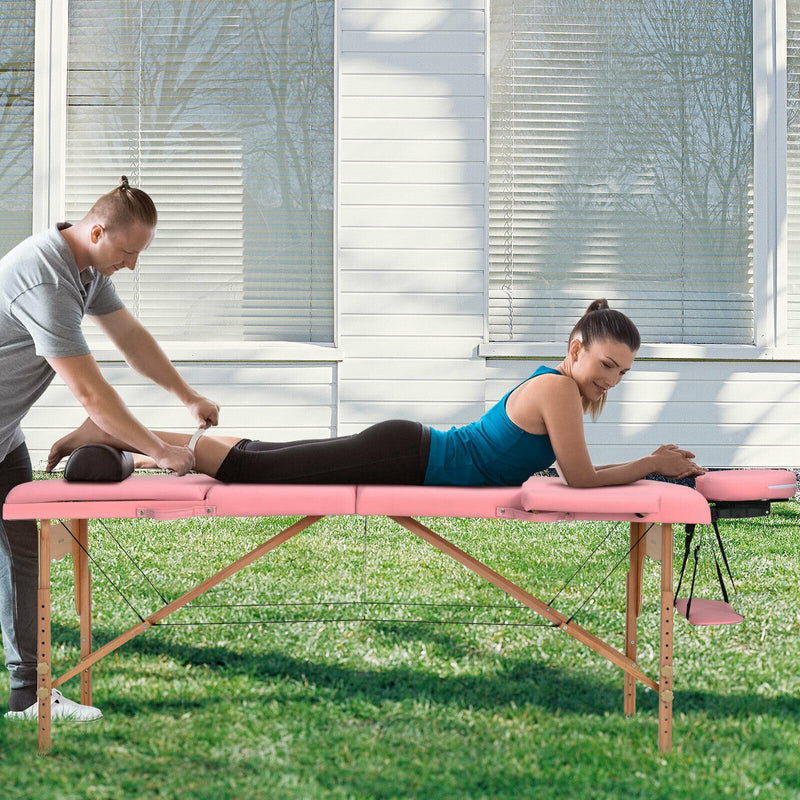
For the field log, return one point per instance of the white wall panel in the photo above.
(411, 284)
(441, 151)
(259, 401)
(411, 211)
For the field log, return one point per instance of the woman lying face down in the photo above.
(536, 424)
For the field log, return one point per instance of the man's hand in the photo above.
(179, 460)
(205, 411)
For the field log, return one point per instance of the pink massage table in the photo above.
(650, 507)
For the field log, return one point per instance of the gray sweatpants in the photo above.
(19, 572)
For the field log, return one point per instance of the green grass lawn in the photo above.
(401, 675)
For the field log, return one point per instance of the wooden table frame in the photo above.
(651, 539)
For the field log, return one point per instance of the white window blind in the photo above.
(621, 166)
(223, 112)
(793, 167)
(16, 122)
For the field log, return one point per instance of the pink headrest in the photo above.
(747, 484)
(545, 499)
(655, 501)
(551, 494)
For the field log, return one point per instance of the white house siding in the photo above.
(411, 281)
(412, 111)
(275, 401)
(412, 215)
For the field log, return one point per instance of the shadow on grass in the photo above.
(512, 681)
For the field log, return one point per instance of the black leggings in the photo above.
(392, 452)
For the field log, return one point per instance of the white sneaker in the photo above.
(60, 708)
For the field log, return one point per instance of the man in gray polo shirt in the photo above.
(47, 284)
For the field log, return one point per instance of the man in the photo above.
(47, 284)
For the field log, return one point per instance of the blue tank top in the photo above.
(490, 452)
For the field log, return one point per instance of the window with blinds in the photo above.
(793, 167)
(16, 122)
(621, 161)
(223, 112)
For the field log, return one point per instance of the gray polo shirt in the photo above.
(43, 299)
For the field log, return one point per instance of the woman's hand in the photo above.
(673, 462)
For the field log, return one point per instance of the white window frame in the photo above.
(770, 256)
(49, 158)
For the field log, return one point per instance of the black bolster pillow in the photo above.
(98, 462)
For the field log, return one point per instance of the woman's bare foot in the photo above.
(143, 462)
(87, 433)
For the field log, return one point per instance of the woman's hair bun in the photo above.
(597, 305)
(602, 322)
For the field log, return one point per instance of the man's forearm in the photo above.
(144, 355)
(107, 409)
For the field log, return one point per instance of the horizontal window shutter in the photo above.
(16, 122)
(793, 167)
(621, 167)
(223, 113)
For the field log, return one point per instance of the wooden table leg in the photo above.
(633, 607)
(667, 629)
(83, 589)
(43, 668)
